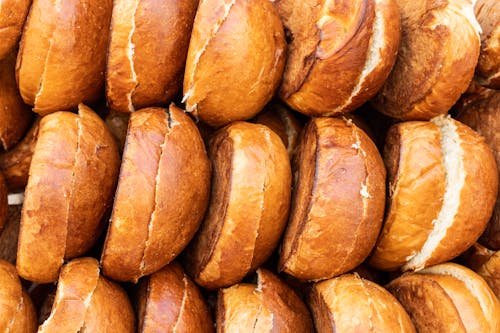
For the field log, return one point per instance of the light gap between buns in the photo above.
(454, 182)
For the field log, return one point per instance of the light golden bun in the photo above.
(436, 60)
(339, 197)
(170, 302)
(17, 313)
(162, 194)
(269, 306)
(448, 298)
(248, 208)
(442, 190)
(62, 54)
(349, 303)
(85, 301)
(339, 52)
(235, 60)
(12, 16)
(488, 68)
(147, 52)
(71, 182)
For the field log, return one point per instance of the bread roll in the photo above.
(17, 313)
(15, 116)
(339, 196)
(170, 302)
(349, 303)
(3, 202)
(248, 206)
(488, 68)
(436, 60)
(147, 52)
(62, 55)
(448, 298)
(486, 263)
(162, 194)
(282, 122)
(71, 181)
(483, 115)
(15, 163)
(268, 306)
(442, 189)
(339, 52)
(87, 302)
(12, 16)
(235, 60)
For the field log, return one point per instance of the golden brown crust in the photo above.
(165, 164)
(147, 51)
(17, 313)
(438, 53)
(173, 303)
(488, 67)
(3, 203)
(482, 115)
(235, 60)
(448, 298)
(15, 116)
(85, 301)
(248, 208)
(490, 272)
(15, 163)
(413, 157)
(269, 306)
(349, 303)
(12, 16)
(282, 122)
(117, 123)
(339, 199)
(71, 179)
(62, 54)
(340, 52)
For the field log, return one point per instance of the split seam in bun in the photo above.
(454, 182)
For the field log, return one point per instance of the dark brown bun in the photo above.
(282, 122)
(147, 51)
(15, 116)
(443, 184)
(3, 202)
(248, 208)
(15, 163)
(349, 303)
(162, 194)
(87, 302)
(170, 302)
(436, 60)
(339, 52)
(448, 298)
(338, 201)
(62, 54)
(17, 313)
(483, 115)
(269, 306)
(488, 67)
(10, 232)
(12, 16)
(235, 60)
(71, 182)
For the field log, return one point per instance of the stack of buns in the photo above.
(249, 166)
